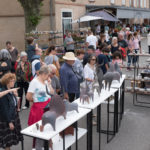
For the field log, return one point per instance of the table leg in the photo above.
(63, 140)
(89, 133)
(108, 121)
(76, 124)
(22, 144)
(123, 88)
(116, 111)
(99, 124)
(46, 145)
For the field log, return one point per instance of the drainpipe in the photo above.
(52, 16)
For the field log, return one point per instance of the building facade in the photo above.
(12, 24)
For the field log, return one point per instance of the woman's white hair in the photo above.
(5, 55)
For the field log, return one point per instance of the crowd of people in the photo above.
(27, 74)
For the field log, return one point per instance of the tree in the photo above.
(32, 9)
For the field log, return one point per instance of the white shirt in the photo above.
(92, 40)
(39, 91)
(89, 73)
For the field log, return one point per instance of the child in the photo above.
(117, 58)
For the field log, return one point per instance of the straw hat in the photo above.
(69, 56)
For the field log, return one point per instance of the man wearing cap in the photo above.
(68, 79)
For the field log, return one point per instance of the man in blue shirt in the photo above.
(68, 79)
(103, 60)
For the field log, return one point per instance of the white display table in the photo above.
(61, 124)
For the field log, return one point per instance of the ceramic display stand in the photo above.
(61, 124)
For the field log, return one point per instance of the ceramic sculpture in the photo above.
(109, 77)
(99, 74)
(86, 93)
(70, 106)
(117, 68)
(57, 108)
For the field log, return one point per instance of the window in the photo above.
(137, 3)
(144, 3)
(123, 2)
(134, 3)
(141, 3)
(66, 20)
(112, 1)
(131, 3)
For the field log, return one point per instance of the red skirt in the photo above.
(36, 112)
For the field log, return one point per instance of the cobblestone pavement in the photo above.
(134, 131)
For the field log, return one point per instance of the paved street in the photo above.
(133, 134)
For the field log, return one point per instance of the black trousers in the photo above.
(23, 87)
(149, 49)
(71, 97)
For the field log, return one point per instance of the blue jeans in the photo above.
(130, 58)
(135, 58)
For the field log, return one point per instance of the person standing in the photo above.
(114, 45)
(123, 46)
(5, 62)
(69, 43)
(31, 47)
(68, 79)
(51, 58)
(10, 126)
(36, 62)
(13, 53)
(103, 60)
(24, 74)
(38, 94)
(130, 50)
(89, 70)
(89, 51)
(55, 80)
(148, 41)
(136, 47)
(91, 40)
(78, 67)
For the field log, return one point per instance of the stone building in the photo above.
(12, 26)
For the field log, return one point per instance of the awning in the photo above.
(103, 14)
(123, 12)
(86, 18)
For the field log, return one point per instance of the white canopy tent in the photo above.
(86, 18)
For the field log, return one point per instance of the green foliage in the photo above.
(32, 9)
(34, 19)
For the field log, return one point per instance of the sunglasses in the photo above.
(93, 59)
(53, 73)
